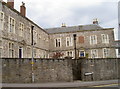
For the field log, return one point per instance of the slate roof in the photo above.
(73, 28)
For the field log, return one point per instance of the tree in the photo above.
(57, 55)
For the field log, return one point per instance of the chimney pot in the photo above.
(95, 21)
(10, 3)
(63, 25)
(23, 9)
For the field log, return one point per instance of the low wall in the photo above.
(96, 69)
(45, 70)
(59, 70)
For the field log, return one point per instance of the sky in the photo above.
(52, 13)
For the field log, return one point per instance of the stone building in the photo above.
(16, 34)
(92, 41)
(15, 37)
(117, 48)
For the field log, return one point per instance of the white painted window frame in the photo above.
(107, 50)
(105, 38)
(95, 52)
(2, 20)
(84, 53)
(21, 29)
(13, 29)
(57, 41)
(93, 39)
(70, 41)
(67, 41)
(11, 48)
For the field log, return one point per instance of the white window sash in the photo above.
(93, 39)
(21, 28)
(105, 52)
(95, 53)
(1, 20)
(11, 25)
(90, 39)
(57, 41)
(105, 38)
(11, 49)
(71, 41)
(67, 41)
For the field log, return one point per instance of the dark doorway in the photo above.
(20, 52)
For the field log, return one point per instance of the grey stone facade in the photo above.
(86, 46)
(13, 44)
(118, 48)
(41, 46)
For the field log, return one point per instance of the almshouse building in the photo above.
(92, 40)
(16, 34)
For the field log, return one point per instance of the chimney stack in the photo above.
(63, 25)
(10, 3)
(23, 9)
(95, 21)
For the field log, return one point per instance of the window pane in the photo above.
(82, 54)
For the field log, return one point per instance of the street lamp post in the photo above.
(74, 35)
(32, 63)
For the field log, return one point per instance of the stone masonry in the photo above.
(45, 70)
(17, 44)
(59, 70)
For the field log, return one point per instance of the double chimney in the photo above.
(95, 21)
(10, 3)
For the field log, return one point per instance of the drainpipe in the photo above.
(32, 63)
(74, 35)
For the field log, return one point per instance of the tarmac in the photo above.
(62, 84)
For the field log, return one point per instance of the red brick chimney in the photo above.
(10, 3)
(23, 9)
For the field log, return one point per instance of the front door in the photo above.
(20, 52)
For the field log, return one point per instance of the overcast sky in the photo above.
(52, 13)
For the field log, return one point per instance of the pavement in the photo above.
(74, 84)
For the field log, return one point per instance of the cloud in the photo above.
(54, 12)
(51, 13)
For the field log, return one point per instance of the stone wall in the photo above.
(95, 69)
(59, 70)
(45, 70)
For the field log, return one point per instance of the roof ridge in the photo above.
(73, 26)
